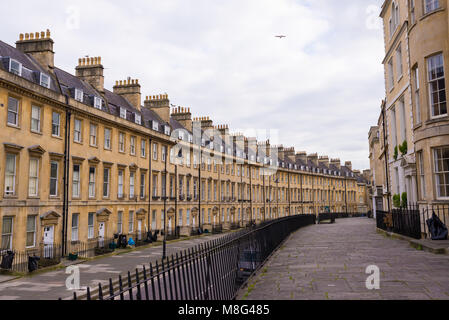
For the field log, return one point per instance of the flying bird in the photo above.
(280, 37)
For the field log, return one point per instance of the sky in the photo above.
(319, 89)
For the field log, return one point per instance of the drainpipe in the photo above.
(65, 204)
(386, 157)
(150, 178)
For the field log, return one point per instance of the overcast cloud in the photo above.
(321, 86)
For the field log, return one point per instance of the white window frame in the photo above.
(76, 184)
(130, 221)
(437, 173)
(79, 95)
(416, 94)
(92, 182)
(121, 142)
(56, 125)
(31, 231)
(138, 119)
(36, 120)
(120, 180)
(16, 72)
(428, 60)
(142, 185)
(75, 228)
(106, 182)
(155, 155)
(143, 148)
(93, 135)
(35, 178)
(43, 83)
(77, 132)
(107, 138)
(132, 181)
(14, 112)
(98, 103)
(122, 113)
(55, 179)
(90, 226)
(431, 6)
(10, 234)
(155, 125)
(132, 145)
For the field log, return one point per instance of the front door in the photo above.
(49, 238)
(101, 227)
(139, 229)
(194, 221)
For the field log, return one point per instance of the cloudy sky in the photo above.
(320, 88)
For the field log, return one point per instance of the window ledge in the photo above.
(437, 119)
(36, 132)
(13, 126)
(56, 137)
(431, 13)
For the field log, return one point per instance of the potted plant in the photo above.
(403, 148)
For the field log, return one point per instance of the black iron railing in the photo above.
(19, 261)
(405, 221)
(215, 270)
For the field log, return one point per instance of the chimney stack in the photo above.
(324, 160)
(336, 162)
(314, 158)
(91, 71)
(159, 104)
(290, 153)
(183, 116)
(40, 46)
(302, 155)
(348, 164)
(130, 90)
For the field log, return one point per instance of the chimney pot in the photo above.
(48, 33)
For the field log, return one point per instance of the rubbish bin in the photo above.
(7, 260)
(32, 263)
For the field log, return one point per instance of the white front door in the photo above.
(101, 227)
(193, 221)
(139, 229)
(49, 238)
(169, 225)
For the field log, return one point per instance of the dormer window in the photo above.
(167, 130)
(211, 145)
(15, 67)
(203, 142)
(221, 148)
(122, 113)
(98, 102)
(138, 119)
(190, 138)
(44, 80)
(155, 126)
(79, 95)
(181, 135)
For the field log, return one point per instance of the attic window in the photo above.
(211, 145)
(45, 80)
(167, 130)
(15, 67)
(155, 126)
(181, 135)
(203, 142)
(190, 138)
(138, 119)
(79, 95)
(98, 102)
(122, 113)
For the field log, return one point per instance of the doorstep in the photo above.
(433, 246)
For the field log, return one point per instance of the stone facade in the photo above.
(415, 108)
(80, 162)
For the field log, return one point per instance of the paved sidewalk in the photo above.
(328, 261)
(51, 285)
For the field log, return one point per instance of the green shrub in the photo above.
(397, 201)
(404, 200)
(403, 148)
(395, 155)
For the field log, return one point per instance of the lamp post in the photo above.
(164, 244)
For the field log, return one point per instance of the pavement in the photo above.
(329, 262)
(51, 285)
